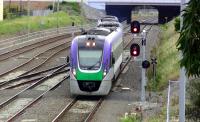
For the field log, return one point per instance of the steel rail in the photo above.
(35, 100)
(52, 55)
(31, 59)
(42, 34)
(95, 108)
(30, 75)
(29, 47)
(66, 108)
(31, 86)
(31, 81)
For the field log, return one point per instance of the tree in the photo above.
(189, 40)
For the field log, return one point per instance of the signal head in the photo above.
(135, 27)
(135, 50)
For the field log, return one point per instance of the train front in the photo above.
(89, 66)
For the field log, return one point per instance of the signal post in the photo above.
(135, 51)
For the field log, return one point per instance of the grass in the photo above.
(167, 69)
(131, 118)
(36, 23)
(167, 58)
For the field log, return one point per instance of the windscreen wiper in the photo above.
(93, 65)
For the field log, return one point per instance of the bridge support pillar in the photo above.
(1, 10)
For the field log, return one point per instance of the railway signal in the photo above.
(135, 27)
(145, 64)
(135, 50)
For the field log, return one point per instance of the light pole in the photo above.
(58, 5)
(53, 5)
(28, 18)
(1, 10)
(182, 80)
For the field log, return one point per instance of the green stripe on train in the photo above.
(89, 76)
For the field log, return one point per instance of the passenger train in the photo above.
(95, 60)
(108, 19)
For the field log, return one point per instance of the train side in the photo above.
(95, 62)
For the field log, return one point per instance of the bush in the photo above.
(131, 118)
(194, 92)
(193, 107)
(177, 24)
(167, 67)
(13, 11)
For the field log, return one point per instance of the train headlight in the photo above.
(74, 72)
(93, 44)
(87, 44)
(104, 73)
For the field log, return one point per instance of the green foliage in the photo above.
(189, 40)
(131, 118)
(167, 67)
(177, 24)
(12, 11)
(194, 91)
(36, 23)
(71, 8)
(193, 106)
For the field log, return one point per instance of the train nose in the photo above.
(89, 86)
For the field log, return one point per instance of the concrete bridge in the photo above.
(122, 8)
(138, 2)
(167, 9)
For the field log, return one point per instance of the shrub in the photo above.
(177, 24)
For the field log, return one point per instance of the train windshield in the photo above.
(90, 59)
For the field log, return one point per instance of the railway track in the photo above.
(29, 47)
(14, 98)
(89, 104)
(95, 104)
(58, 48)
(64, 114)
(28, 79)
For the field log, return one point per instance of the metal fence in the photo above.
(42, 35)
(45, 34)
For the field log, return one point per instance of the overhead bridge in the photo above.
(138, 2)
(167, 9)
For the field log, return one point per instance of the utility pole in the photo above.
(20, 5)
(28, 18)
(82, 13)
(1, 10)
(53, 5)
(58, 5)
(182, 82)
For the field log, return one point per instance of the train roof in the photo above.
(109, 24)
(108, 19)
(98, 31)
(108, 16)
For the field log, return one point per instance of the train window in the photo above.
(90, 59)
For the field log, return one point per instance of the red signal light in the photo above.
(135, 29)
(135, 52)
(135, 49)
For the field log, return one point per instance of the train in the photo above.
(107, 18)
(96, 60)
